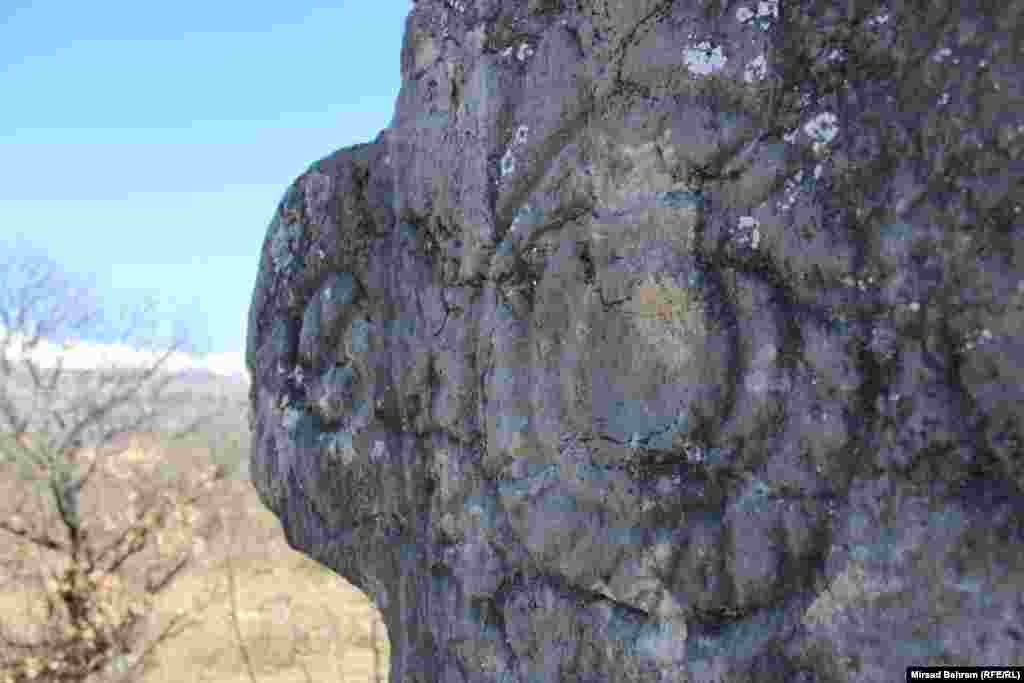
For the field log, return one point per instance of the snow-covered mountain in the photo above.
(85, 355)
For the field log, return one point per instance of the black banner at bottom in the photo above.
(965, 673)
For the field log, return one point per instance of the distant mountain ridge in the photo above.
(211, 385)
(86, 355)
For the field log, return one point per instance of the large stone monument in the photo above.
(664, 341)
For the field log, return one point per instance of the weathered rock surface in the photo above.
(665, 341)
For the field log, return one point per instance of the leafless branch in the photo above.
(42, 541)
(50, 420)
(155, 586)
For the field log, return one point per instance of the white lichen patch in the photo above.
(703, 59)
(748, 232)
(508, 160)
(822, 129)
(755, 70)
(860, 283)
(508, 163)
(521, 133)
(792, 190)
(767, 10)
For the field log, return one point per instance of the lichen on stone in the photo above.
(664, 341)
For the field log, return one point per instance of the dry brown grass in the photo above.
(298, 621)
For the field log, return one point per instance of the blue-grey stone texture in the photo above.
(664, 341)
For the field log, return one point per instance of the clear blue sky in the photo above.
(145, 145)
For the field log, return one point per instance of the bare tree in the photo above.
(67, 430)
